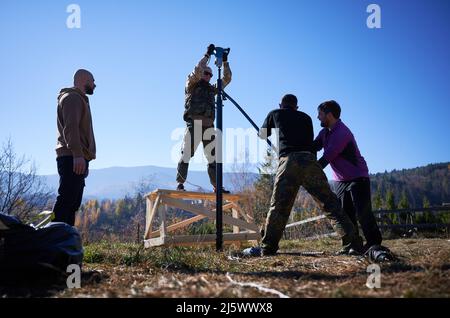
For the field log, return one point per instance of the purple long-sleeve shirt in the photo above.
(341, 151)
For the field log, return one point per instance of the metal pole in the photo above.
(248, 118)
(218, 156)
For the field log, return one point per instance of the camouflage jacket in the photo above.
(199, 94)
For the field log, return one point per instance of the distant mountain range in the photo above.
(431, 181)
(116, 182)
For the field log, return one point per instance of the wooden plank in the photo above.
(150, 215)
(320, 236)
(249, 215)
(162, 215)
(154, 242)
(203, 211)
(235, 214)
(189, 195)
(230, 237)
(439, 209)
(419, 226)
(148, 220)
(246, 217)
(179, 225)
(316, 218)
(226, 206)
(234, 243)
(189, 240)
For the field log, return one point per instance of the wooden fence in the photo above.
(406, 219)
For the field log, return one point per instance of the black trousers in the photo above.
(70, 191)
(356, 202)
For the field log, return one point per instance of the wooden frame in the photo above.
(159, 200)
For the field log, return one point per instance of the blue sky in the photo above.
(392, 83)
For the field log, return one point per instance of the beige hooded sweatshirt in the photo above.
(75, 130)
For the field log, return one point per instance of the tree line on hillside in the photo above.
(22, 193)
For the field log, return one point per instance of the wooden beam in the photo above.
(234, 214)
(203, 211)
(316, 218)
(226, 206)
(159, 241)
(148, 219)
(436, 209)
(247, 217)
(211, 238)
(162, 215)
(189, 195)
(419, 226)
(151, 215)
(179, 225)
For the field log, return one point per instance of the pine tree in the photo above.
(390, 200)
(390, 205)
(264, 187)
(427, 216)
(377, 201)
(404, 203)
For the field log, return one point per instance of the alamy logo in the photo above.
(74, 279)
(374, 19)
(374, 279)
(236, 142)
(74, 19)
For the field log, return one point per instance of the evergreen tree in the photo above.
(404, 203)
(264, 187)
(390, 200)
(377, 201)
(390, 205)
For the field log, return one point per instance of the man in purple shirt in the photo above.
(351, 175)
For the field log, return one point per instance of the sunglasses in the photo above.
(208, 73)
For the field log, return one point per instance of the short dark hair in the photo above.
(289, 100)
(331, 106)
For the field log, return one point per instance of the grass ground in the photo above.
(129, 270)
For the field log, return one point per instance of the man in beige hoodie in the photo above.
(75, 145)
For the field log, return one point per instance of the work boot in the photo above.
(367, 246)
(379, 254)
(355, 248)
(180, 187)
(349, 251)
(256, 251)
(223, 191)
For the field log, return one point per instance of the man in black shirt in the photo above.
(297, 167)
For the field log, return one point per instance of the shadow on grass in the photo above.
(289, 274)
(305, 254)
(286, 274)
(401, 267)
(40, 282)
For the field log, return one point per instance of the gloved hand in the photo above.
(210, 49)
(225, 56)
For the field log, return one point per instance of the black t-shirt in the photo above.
(295, 130)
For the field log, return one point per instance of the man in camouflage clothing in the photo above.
(199, 116)
(297, 167)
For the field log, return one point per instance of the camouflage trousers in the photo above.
(295, 170)
(195, 134)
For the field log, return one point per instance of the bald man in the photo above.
(75, 145)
